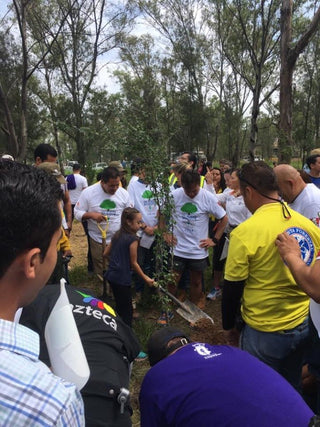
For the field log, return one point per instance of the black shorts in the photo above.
(180, 264)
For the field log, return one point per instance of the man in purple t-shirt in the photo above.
(197, 384)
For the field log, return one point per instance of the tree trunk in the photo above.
(286, 74)
(12, 145)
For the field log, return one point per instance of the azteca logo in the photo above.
(94, 302)
(305, 243)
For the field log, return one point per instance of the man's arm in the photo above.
(230, 308)
(308, 278)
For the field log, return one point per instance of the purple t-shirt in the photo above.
(203, 385)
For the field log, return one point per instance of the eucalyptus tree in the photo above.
(140, 86)
(188, 41)
(306, 95)
(23, 11)
(291, 49)
(249, 34)
(91, 29)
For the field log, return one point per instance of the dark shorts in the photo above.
(181, 264)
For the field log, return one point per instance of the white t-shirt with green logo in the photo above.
(191, 221)
(94, 199)
(143, 200)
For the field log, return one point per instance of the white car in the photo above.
(99, 166)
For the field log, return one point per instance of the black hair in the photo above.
(45, 150)
(136, 165)
(128, 214)
(259, 176)
(190, 177)
(311, 160)
(76, 167)
(191, 158)
(236, 170)
(109, 173)
(30, 212)
(222, 180)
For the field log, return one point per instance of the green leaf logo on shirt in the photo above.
(108, 204)
(189, 208)
(147, 194)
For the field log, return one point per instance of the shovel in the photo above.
(187, 309)
(103, 231)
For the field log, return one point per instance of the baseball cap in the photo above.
(158, 343)
(53, 169)
(117, 165)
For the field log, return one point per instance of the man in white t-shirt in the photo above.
(102, 199)
(80, 183)
(193, 205)
(303, 198)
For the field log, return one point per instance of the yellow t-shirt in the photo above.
(272, 301)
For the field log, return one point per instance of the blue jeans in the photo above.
(283, 350)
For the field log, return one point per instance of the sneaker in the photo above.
(163, 321)
(141, 357)
(215, 293)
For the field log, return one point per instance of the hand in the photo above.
(208, 177)
(207, 243)
(67, 232)
(170, 239)
(97, 216)
(150, 282)
(149, 230)
(287, 245)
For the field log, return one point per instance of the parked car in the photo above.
(99, 166)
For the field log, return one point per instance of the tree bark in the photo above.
(289, 58)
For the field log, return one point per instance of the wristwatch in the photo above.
(215, 240)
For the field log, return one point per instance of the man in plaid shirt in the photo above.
(30, 227)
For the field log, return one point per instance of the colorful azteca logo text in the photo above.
(89, 310)
(305, 243)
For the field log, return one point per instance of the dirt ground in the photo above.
(201, 331)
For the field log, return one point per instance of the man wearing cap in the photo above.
(45, 153)
(197, 384)
(98, 201)
(116, 164)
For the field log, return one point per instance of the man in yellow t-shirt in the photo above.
(273, 307)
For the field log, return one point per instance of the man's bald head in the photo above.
(289, 181)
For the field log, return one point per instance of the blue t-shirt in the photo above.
(315, 181)
(119, 270)
(202, 385)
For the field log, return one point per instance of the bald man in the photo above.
(303, 198)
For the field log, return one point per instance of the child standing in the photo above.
(122, 253)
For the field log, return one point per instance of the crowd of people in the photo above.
(263, 226)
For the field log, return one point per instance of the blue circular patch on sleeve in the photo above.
(305, 243)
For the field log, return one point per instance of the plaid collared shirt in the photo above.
(30, 395)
